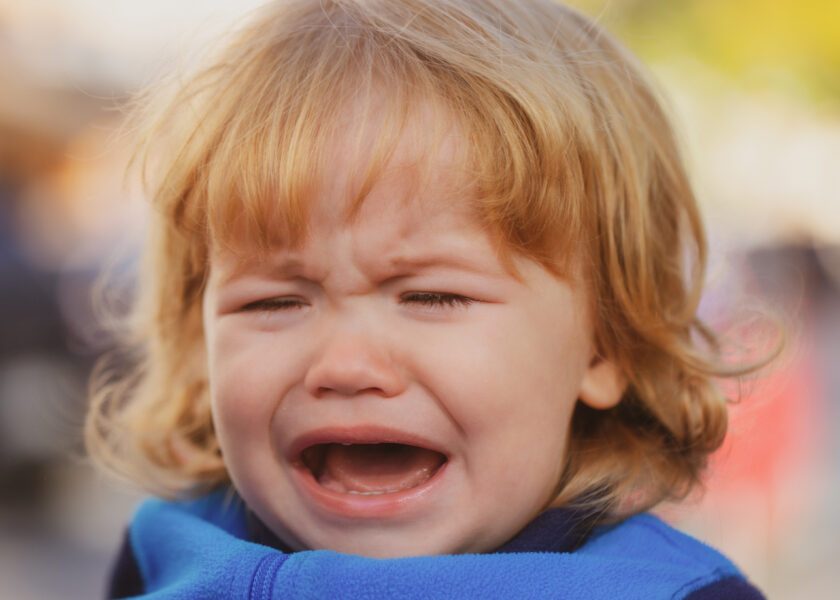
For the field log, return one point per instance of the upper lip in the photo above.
(360, 434)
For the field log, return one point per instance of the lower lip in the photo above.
(367, 507)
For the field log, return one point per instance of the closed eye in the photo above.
(275, 304)
(436, 299)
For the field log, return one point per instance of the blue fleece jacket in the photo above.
(199, 549)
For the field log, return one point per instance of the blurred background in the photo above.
(754, 86)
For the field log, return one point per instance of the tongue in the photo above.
(372, 469)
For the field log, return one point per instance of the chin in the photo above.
(392, 546)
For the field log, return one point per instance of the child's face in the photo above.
(389, 388)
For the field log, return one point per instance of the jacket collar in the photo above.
(555, 530)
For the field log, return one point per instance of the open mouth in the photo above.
(371, 469)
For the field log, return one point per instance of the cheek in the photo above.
(246, 388)
(510, 368)
(512, 383)
(248, 376)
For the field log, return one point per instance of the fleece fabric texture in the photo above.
(197, 550)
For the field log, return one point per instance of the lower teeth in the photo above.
(427, 474)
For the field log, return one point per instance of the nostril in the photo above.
(349, 370)
(348, 391)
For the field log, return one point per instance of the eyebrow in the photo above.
(292, 266)
(288, 266)
(425, 261)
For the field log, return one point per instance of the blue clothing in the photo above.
(200, 549)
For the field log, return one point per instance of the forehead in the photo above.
(406, 171)
(411, 165)
(417, 213)
(385, 153)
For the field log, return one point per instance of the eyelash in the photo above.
(436, 299)
(272, 304)
(426, 299)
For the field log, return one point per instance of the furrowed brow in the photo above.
(283, 268)
(448, 260)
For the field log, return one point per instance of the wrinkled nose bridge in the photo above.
(352, 357)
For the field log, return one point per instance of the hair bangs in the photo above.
(283, 102)
(277, 148)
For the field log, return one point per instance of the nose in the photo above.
(351, 363)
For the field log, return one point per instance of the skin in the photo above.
(402, 317)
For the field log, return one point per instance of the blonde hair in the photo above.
(571, 154)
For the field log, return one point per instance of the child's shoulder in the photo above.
(644, 549)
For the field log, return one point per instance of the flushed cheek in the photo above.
(486, 389)
(244, 392)
(242, 411)
(255, 366)
(515, 408)
(520, 488)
